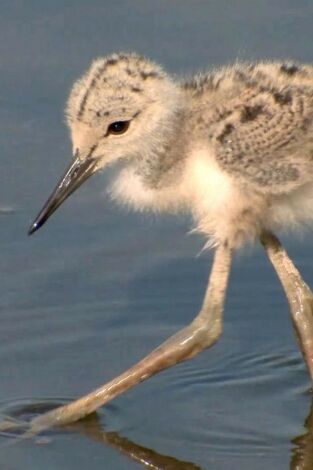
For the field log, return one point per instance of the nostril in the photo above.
(75, 172)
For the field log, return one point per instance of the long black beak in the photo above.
(75, 175)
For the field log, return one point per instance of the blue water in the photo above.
(98, 287)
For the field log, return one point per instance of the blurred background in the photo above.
(98, 287)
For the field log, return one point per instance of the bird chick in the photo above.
(232, 147)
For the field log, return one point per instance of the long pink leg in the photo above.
(298, 293)
(200, 334)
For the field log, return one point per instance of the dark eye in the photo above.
(118, 127)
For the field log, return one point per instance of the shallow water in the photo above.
(97, 288)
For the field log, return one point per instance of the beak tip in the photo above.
(75, 175)
(33, 228)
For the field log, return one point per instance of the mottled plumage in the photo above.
(237, 141)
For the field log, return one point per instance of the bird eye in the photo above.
(118, 127)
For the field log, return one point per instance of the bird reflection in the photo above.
(148, 458)
(302, 452)
(301, 455)
(92, 427)
(15, 425)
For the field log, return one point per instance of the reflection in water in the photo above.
(20, 413)
(301, 459)
(91, 427)
(302, 454)
(17, 416)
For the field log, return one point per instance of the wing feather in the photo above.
(267, 139)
